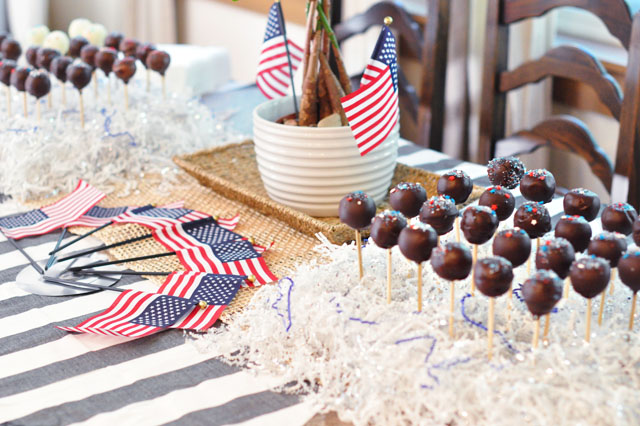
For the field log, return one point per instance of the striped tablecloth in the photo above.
(51, 377)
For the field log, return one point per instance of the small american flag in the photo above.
(273, 77)
(98, 216)
(235, 257)
(162, 217)
(372, 110)
(199, 232)
(56, 215)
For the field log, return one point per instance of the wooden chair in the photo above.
(430, 46)
(561, 132)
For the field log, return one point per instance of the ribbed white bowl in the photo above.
(311, 169)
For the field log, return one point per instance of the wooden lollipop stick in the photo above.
(613, 279)
(451, 307)
(164, 89)
(148, 79)
(509, 307)
(49, 100)
(389, 269)
(458, 229)
(24, 104)
(587, 335)
(601, 310)
(490, 327)
(473, 277)
(109, 90)
(438, 240)
(546, 327)
(633, 311)
(38, 112)
(419, 287)
(536, 334)
(126, 96)
(359, 249)
(95, 85)
(8, 101)
(64, 93)
(81, 104)
(567, 286)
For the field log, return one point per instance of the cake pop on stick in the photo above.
(478, 224)
(75, 46)
(43, 58)
(609, 246)
(31, 55)
(457, 185)
(589, 277)
(407, 198)
(159, 62)
(79, 75)
(440, 212)
(451, 261)
(57, 40)
(505, 171)
(38, 85)
(124, 69)
(58, 67)
(385, 230)
(113, 40)
(7, 67)
(78, 26)
(535, 220)
(577, 231)
(128, 47)
(581, 202)
(88, 56)
(541, 292)
(500, 200)
(493, 277)
(538, 185)
(357, 210)
(629, 270)
(36, 35)
(10, 49)
(95, 34)
(142, 51)
(416, 242)
(619, 217)
(515, 246)
(105, 58)
(18, 80)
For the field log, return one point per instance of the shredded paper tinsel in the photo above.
(116, 147)
(334, 340)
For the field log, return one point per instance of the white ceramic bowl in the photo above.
(310, 168)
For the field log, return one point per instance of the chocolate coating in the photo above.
(416, 241)
(88, 55)
(142, 51)
(6, 68)
(31, 56)
(79, 75)
(105, 58)
(609, 246)
(440, 212)
(386, 227)
(59, 67)
(124, 69)
(542, 291)
(512, 244)
(533, 218)
(356, 210)
(452, 261)
(128, 47)
(455, 184)
(158, 61)
(478, 224)
(19, 78)
(75, 46)
(619, 217)
(538, 185)
(113, 40)
(500, 200)
(44, 57)
(38, 84)
(636, 231)
(629, 270)
(493, 276)
(590, 276)
(556, 254)
(576, 230)
(11, 49)
(505, 171)
(581, 202)
(407, 198)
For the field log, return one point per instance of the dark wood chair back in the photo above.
(560, 132)
(429, 46)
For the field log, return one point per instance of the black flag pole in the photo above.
(116, 262)
(104, 247)
(80, 237)
(52, 258)
(286, 46)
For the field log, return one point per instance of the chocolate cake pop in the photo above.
(576, 230)
(75, 46)
(88, 55)
(7, 67)
(38, 84)
(557, 255)
(455, 184)
(505, 171)
(533, 218)
(142, 51)
(452, 261)
(128, 47)
(158, 61)
(440, 212)
(113, 40)
(500, 200)
(79, 74)
(512, 244)
(581, 202)
(636, 232)
(590, 275)
(538, 185)
(416, 241)
(478, 224)
(124, 69)
(105, 58)
(609, 246)
(44, 57)
(542, 291)
(19, 77)
(629, 269)
(58, 67)
(619, 217)
(356, 210)
(11, 49)
(493, 276)
(31, 55)
(386, 227)
(407, 198)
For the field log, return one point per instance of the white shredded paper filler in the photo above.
(335, 340)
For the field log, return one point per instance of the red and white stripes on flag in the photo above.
(372, 110)
(54, 216)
